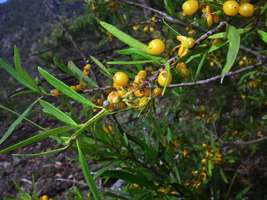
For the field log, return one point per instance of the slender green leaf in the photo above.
(60, 115)
(169, 6)
(263, 35)
(224, 34)
(13, 126)
(22, 72)
(78, 74)
(102, 67)
(200, 65)
(64, 88)
(133, 51)
(12, 72)
(87, 174)
(129, 177)
(242, 193)
(234, 45)
(36, 138)
(125, 38)
(130, 62)
(24, 117)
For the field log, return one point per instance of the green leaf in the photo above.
(87, 174)
(200, 65)
(169, 6)
(133, 51)
(52, 110)
(102, 67)
(242, 193)
(13, 126)
(35, 138)
(223, 176)
(129, 177)
(22, 72)
(12, 72)
(78, 74)
(224, 34)
(136, 62)
(263, 35)
(234, 45)
(264, 117)
(64, 88)
(125, 38)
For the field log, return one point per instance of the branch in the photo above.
(240, 142)
(214, 78)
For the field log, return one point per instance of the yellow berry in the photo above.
(204, 161)
(156, 47)
(163, 79)
(182, 69)
(246, 9)
(143, 101)
(87, 67)
(157, 91)
(190, 7)
(142, 74)
(120, 79)
(121, 92)
(113, 97)
(78, 87)
(230, 8)
(138, 93)
(55, 93)
(146, 28)
(44, 197)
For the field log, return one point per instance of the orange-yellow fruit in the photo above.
(163, 79)
(138, 93)
(230, 8)
(157, 91)
(156, 47)
(121, 92)
(140, 77)
(190, 7)
(182, 69)
(44, 197)
(143, 101)
(55, 92)
(246, 9)
(120, 79)
(78, 87)
(113, 97)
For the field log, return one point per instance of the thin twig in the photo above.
(240, 142)
(214, 78)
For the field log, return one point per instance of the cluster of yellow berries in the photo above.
(149, 27)
(135, 94)
(207, 117)
(232, 8)
(210, 155)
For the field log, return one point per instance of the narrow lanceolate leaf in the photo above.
(263, 35)
(125, 38)
(133, 51)
(169, 6)
(12, 72)
(130, 62)
(87, 174)
(57, 113)
(200, 65)
(22, 72)
(78, 74)
(234, 45)
(102, 67)
(13, 126)
(36, 138)
(65, 89)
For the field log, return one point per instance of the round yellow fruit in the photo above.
(163, 79)
(231, 8)
(156, 47)
(157, 91)
(246, 9)
(120, 79)
(190, 7)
